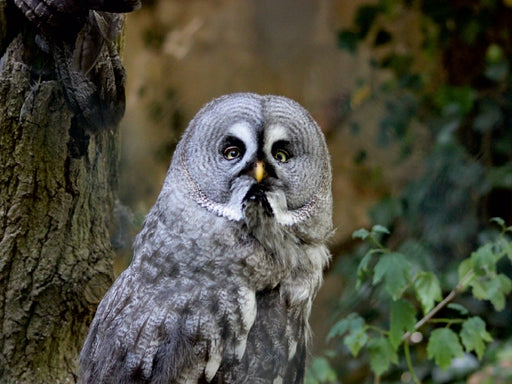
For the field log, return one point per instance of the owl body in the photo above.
(229, 258)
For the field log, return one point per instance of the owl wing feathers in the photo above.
(275, 351)
(162, 334)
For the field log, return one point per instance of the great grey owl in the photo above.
(230, 257)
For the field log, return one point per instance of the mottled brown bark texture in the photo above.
(61, 97)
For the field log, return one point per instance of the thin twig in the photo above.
(460, 287)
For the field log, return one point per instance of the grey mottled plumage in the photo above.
(229, 258)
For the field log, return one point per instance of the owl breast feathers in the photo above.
(229, 259)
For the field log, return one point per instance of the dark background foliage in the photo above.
(458, 86)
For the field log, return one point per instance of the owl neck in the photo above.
(267, 252)
(299, 261)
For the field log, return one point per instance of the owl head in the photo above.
(248, 157)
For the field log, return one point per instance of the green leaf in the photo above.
(382, 355)
(320, 371)
(361, 234)
(356, 337)
(464, 267)
(352, 321)
(484, 260)
(419, 254)
(356, 328)
(506, 246)
(479, 289)
(459, 308)
(355, 340)
(394, 269)
(497, 289)
(403, 319)
(443, 346)
(338, 329)
(499, 221)
(380, 229)
(494, 289)
(362, 269)
(427, 289)
(474, 336)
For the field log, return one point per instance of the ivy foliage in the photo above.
(415, 302)
(478, 273)
(430, 284)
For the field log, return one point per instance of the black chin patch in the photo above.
(257, 195)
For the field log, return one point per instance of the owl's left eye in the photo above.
(281, 155)
(280, 151)
(232, 152)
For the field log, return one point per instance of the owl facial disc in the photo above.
(264, 154)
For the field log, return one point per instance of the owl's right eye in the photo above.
(232, 152)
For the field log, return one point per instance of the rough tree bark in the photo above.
(61, 97)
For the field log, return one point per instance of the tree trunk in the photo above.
(58, 176)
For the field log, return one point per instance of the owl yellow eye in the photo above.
(281, 155)
(232, 152)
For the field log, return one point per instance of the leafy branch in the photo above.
(407, 291)
(454, 292)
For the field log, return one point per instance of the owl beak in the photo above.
(258, 171)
